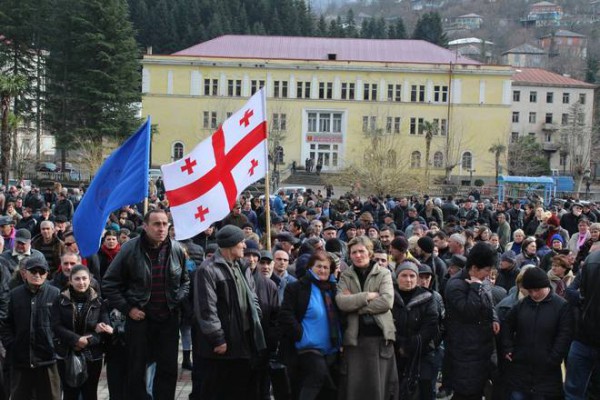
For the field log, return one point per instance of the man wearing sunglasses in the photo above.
(28, 335)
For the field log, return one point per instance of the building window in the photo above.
(564, 119)
(531, 134)
(417, 93)
(324, 122)
(516, 96)
(416, 126)
(328, 122)
(582, 98)
(438, 159)
(177, 151)
(549, 137)
(312, 122)
(515, 116)
(563, 160)
(391, 158)
(549, 97)
(370, 91)
(444, 127)
(566, 98)
(369, 124)
(467, 160)
(415, 159)
(397, 125)
(440, 94)
(548, 118)
(325, 90)
(280, 89)
(211, 87)
(532, 117)
(209, 119)
(228, 114)
(533, 97)
(234, 87)
(348, 91)
(279, 121)
(388, 125)
(256, 85)
(514, 137)
(303, 90)
(394, 92)
(337, 122)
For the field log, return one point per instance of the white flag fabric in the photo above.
(203, 186)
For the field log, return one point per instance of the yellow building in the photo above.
(327, 98)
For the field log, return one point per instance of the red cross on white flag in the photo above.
(203, 186)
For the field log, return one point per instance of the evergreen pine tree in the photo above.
(351, 30)
(322, 29)
(93, 72)
(429, 28)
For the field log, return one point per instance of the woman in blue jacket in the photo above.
(310, 319)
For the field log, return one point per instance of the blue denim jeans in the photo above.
(581, 362)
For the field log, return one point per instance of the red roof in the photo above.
(540, 76)
(313, 48)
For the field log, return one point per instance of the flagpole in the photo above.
(267, 180)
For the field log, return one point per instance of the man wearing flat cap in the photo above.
(22, 250)
(28, 335)
(228, 316)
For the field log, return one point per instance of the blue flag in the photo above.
(121, 180)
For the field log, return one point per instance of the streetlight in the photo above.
(471, 176)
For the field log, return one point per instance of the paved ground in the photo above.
(184, 384)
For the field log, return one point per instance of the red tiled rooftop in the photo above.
(542, 77)
(312, 48)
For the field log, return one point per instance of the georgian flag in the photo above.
(203, 186)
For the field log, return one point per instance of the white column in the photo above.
(429, 91)
(292, 87)
(170, 82)
(245, 86)
(314, 88)
(145, 80)
(359, 90)
(456, 91)
(337, 88)
(222, 85)
(481, 91)
(195, 83)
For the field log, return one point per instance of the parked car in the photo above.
(47, 167)
(154, 173)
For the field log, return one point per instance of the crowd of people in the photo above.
(347, 298)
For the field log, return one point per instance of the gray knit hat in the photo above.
(229, 236)
(410, 265)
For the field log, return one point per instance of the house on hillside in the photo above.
(565, 43)
(469, 21)
(525, 55)
(474, 48)
(544, 13)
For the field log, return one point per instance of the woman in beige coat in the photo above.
(365, 295)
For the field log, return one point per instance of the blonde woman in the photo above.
(365, 294)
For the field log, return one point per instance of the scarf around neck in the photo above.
(327, 289)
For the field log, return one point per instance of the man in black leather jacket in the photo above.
(584, 354)
(28, 335)
(147, 281)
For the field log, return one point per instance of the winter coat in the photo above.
(417, 318)
(28, 331)
(538, 336)
(65, 331)
(560, 289)
(507, 278)
(127, 282)
(355, 304)
(589, 322)
(217, 312)
(469, 334)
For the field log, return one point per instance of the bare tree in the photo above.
(381, 171)
(576, 143)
